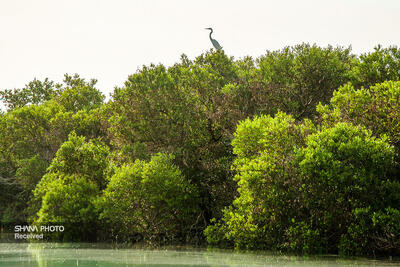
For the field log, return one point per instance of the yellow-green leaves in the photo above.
(152, 200)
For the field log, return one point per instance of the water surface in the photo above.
(89, 255)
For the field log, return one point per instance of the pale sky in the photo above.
(110, 39)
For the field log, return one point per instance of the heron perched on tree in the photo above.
(213, 41)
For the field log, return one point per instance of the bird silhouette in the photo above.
(213, 41)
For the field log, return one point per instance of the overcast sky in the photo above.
(110, 39)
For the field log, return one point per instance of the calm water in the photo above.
(102, 255)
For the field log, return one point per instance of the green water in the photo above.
(90, 255)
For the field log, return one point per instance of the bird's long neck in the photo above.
(211, 31)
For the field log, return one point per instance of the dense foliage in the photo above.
(150, 200)
(31, 135)
(345, 170)
(297, 150)
(267, 183)
(304, 196)
(68, 192)
(376, 108)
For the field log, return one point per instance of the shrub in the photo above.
(150, 200)
(376, 108)
(344, 170)
(267, 183)
(379, 66)
(306, 191)
(68, 192)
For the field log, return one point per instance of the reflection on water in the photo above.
(89, 255)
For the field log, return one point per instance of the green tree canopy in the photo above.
(32, 130)
(151, 201)
(376, 108)
(68, 192)
(295, 79)
(35, 92)
(267, 183)
(311, 191)
(378, 66)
